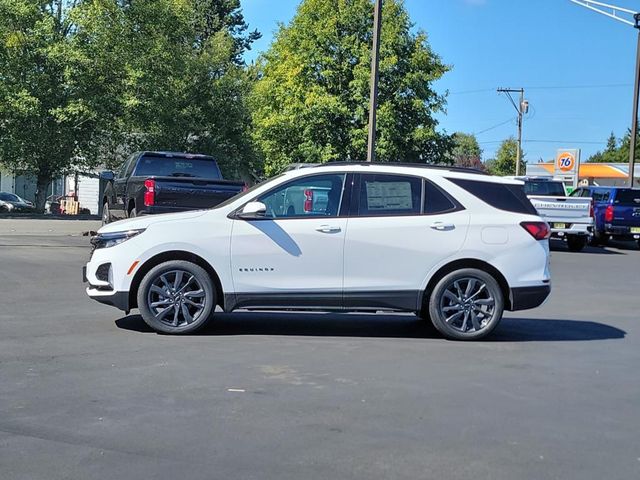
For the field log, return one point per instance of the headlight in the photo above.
(106, 240)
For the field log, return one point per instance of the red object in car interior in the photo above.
(308, 201)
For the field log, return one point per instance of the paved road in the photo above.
(86, 393)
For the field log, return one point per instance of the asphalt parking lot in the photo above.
(88, 393)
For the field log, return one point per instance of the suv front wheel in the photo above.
(466, 304)
(176, 297)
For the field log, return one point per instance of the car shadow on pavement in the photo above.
(557, 246)
(384, 326)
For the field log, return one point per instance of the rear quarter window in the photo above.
(627, 197)
(507, 197)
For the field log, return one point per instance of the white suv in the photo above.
(454, 246)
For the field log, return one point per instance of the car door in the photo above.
(400, 228)
(294, 256)
(118, 208)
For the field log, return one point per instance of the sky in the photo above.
(576, 66)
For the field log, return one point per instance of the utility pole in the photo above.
(373, 93)
(614, 12)
(521, 108)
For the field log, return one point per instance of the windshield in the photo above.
(544, 188)
(627, 197)
(177, 167)
(246, 192)
(9, 197)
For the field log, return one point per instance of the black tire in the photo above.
(483, 309)
(106, 214)
(159, 309)
(133, 212)
(576, 243)
(598, 239)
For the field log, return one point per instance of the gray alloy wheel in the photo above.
(106, 214)
(466, 304)
(176, 297)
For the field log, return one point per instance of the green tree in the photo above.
(617, 151)
(505, 161)
(310, 103)
(466, 151)
(82, 80)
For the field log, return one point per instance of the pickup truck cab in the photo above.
(164, 182)
(616, 211)
(570, 218)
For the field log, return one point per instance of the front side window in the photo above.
(306, 197)
(382, 195)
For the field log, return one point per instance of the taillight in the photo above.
(150, 193)
(538, 230)
(608, 214)
(308, 201)
(591, 212)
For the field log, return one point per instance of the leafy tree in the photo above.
(81, 79)
(310, 103)
(505, 161)
(466, 151)
(617, 151)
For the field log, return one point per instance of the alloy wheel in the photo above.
(176, 298)
(467, 304)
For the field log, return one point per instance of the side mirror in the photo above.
(107, 175)
(253, 211)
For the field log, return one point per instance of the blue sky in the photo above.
(541, 45)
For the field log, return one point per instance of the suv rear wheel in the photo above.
(466, 304)
(176, 297)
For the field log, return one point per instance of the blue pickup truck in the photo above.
(616, 212)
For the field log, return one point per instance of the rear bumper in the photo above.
(577, 229)
(524, 298)
(622, 232)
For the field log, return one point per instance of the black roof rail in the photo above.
(450, 168)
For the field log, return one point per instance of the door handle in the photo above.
(328, 229)
(442, 226)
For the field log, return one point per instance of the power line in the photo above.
(549, 87)
(567, 142)
(495, 126)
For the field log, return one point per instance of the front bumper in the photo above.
(119, 300)
(524, 298)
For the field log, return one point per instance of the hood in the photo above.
(146, 221)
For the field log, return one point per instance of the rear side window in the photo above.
(177, 167)
(544, 188)
(627, 197)
(382, 195)
(436, 201)
(600, 195)
(510, 198)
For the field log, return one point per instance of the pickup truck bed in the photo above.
(165, 182)
(570, 218)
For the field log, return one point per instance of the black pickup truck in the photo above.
(164, 182)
